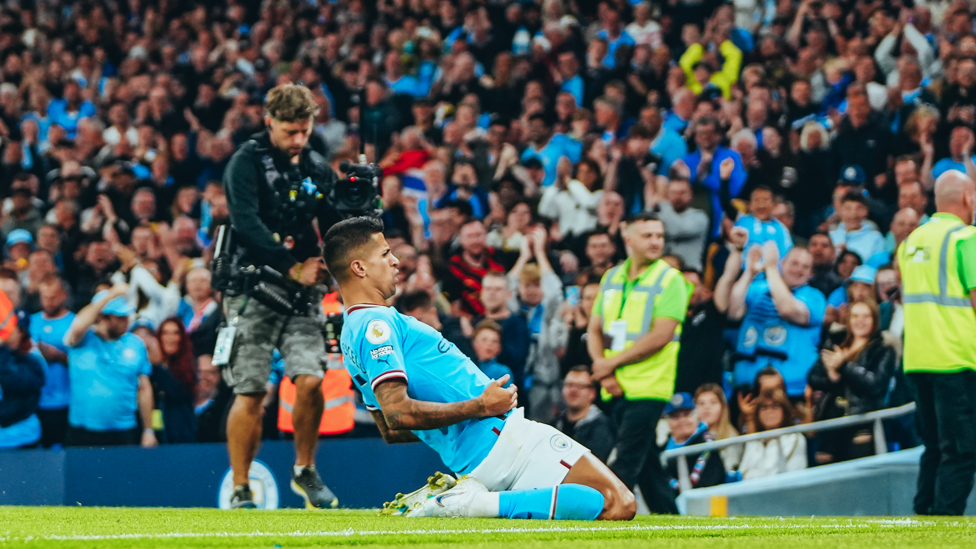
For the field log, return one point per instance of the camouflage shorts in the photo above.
(260, 331)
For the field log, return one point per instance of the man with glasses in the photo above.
(581, 420)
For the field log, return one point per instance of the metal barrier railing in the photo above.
(876, 417)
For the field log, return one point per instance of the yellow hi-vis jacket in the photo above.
(628, 309)
(940, 324)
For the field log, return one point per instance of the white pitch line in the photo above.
(431, 532)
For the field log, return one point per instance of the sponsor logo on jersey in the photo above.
(381, 351)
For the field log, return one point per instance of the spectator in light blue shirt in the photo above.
(66, 112)
(571, 81)
(549, 147)
(761, 224)
(958, 139)
(616, 36)
(666, 142)
(682, 108)
(853, 233)
(48, 329)
(781, 317)
(110, 372)
(400, 83)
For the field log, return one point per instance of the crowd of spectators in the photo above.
(789, 148)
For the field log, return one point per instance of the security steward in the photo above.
(633, 339)
(276, 187)
(938, 274)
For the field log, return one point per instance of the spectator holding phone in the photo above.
(577, 317)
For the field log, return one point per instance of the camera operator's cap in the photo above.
(678, 402)
(117, 307)
(864, 274)
(19, 236)
(852, 174)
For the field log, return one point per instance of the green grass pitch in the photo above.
(67, 527)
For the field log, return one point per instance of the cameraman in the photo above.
(276, 186)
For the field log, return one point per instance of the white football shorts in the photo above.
(528, 455)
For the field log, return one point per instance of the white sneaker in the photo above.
(401, 504)
(452, 503)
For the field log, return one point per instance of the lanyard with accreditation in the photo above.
(616, 338)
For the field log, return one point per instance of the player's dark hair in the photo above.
(344, 238)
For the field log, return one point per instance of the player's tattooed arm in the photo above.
(389, 435)
(404, 413)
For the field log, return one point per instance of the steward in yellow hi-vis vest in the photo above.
(937, 263)
(940, 323)
(628, 308)
(633, 339)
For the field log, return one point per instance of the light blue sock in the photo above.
(564, 502)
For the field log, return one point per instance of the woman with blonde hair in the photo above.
(713, 410)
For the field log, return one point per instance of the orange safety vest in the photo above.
(340, 406)
(337, 417)
(8, 317)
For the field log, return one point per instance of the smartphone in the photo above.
(573, 295)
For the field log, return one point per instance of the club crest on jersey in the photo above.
(377, 331)
(559, 443)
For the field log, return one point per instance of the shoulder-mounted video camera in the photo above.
(359, 192)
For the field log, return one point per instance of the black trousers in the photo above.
(946, 417)
(638, 461)
(54, 426)
(79, 436)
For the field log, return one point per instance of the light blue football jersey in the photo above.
(379, 344)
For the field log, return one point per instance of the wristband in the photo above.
(148, 430)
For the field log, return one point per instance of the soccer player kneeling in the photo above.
(419, 386)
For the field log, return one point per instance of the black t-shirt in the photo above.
(700, 356)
